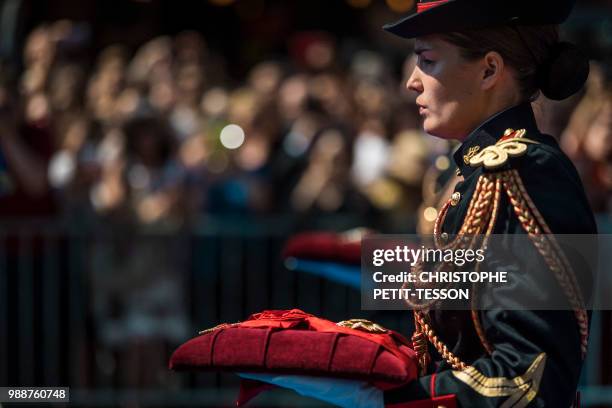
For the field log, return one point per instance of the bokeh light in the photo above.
(442, 163)
(400, 6)
(232, 136)
(430, 214)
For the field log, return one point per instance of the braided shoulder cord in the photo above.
(425, 329)
(480, 218)
(482, 212)
(474, 312)
(547, 246)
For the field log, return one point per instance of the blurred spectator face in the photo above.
(314, 50)
(190, 47)
(327, 90)
(446, 86)
(152, 61)
(127, 103)
(302, 132)
(242, 106)
(37, 109)
(111, 69)
(34, 80)
(194, 151)
(265, 78)
(370, 97)
(215, 102)
(65, 87)
(189, 83)
(39, 48)
(254, 153)
(162, 96)
(368, 65)
(111, 77)
(408, 157)
(75, 135)
(106, 85)
(598, 142)
(322, 183)
(320, 55)
(292, 96)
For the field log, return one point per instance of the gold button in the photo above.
(444, 236)
(455, 198)
(508, 131)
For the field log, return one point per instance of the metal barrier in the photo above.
(66, 295)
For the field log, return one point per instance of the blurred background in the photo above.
(156, 155)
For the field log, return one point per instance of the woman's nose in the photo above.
(414, 83)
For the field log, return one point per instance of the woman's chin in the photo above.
(434, 129)
(430, 127)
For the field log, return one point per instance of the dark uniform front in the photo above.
(534, 356)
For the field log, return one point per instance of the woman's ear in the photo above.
(493, 69)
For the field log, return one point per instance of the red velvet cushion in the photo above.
(324, 246)
(302, 351)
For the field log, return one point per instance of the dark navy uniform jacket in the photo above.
(537, 358)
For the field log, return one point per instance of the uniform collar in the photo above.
(517, 117)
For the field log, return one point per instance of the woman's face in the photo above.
(448, 89)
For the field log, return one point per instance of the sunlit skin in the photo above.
(456, 95)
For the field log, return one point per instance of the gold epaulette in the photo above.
(512, 144)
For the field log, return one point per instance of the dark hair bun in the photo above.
(564, 73)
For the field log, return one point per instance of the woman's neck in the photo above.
(493, 107)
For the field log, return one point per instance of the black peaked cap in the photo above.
(442, 16)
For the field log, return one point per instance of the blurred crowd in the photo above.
(163, 134)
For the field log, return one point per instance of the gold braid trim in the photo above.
(474, 312)
(419, 344)
(547, 246)
(480, 218)
(520, 390)
(423, 323)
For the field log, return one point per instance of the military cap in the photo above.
(437, 16)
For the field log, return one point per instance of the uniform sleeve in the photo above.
(536, 361)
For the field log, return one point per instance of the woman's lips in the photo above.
(422, 110)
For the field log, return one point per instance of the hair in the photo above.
(540, 61)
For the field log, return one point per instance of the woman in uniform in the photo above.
(480, 66)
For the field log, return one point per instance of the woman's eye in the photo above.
(425, 62)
